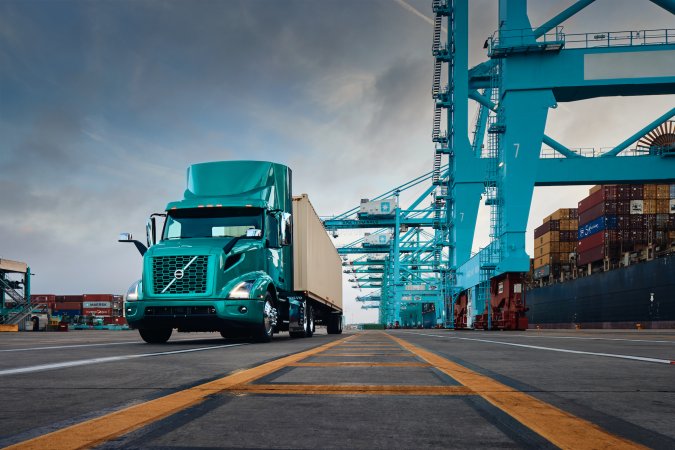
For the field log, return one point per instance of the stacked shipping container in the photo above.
(615, 219)
(554, 240)
(106, 305)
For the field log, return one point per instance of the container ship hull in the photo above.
(639, 295)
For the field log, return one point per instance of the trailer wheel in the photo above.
(155, 335)
(269, 321)
(335, 324)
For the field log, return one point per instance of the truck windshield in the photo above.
(211, 222)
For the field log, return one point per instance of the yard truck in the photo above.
(237, 255)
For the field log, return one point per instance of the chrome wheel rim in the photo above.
(269, 317)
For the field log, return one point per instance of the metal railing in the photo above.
(516, 38)
(503, 40)
(589, 152)
(620, 38)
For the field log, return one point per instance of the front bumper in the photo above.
(195, 315)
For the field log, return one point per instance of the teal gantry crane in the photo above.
(529, 70)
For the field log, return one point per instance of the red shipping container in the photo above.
(593, 213)
(636, 192)
(71, 306)
(114, 320)
(638, 236)
(650, 221)
(590, 201)
(623, 192)
(623, 207)
(611, 236)
(97, 311)
(623, 222)
(590, 242)
(624, 235)
(542, 229)
(637, 222)
(592, 255)
(70, 298)
(48, 298)
(98, 297)
(551, 225)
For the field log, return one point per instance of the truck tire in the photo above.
(335, 324)
(308, 321)
(269, 321)
(155, 335)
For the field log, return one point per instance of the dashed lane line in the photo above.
(535, 335)
(342, 355)
(103, 344)
(86, 362)
(554, 349)
(360, 364)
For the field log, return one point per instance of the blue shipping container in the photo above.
(600, 224)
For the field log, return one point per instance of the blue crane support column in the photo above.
(466, 175)
(524, 118)
(396, 259)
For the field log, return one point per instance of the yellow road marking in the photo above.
(325, 389)
(339, 355)
(95, 431)
(370, 345)
(360, 364)
(559, 427)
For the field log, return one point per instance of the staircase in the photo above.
(23, 306)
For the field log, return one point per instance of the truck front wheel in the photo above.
(155, 335)
(269, 320)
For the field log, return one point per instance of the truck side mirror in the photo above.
(127, 237)
(151, 232)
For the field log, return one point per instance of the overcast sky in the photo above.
(104, 104)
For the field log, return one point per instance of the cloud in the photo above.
(103, 105)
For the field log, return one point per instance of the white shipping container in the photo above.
(317, 267)
(672, 206)
(416, 287)
(96, 305)
(384, 207)
(636, 206)
(376, 240)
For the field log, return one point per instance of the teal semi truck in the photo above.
(238, 255)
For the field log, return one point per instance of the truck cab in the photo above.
(224, 258)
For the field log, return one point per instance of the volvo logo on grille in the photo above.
(179, 274)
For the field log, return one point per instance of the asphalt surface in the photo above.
(358, 390)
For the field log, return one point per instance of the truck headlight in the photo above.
(242, 290)
(132, 292)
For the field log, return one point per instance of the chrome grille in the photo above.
(194, 276)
